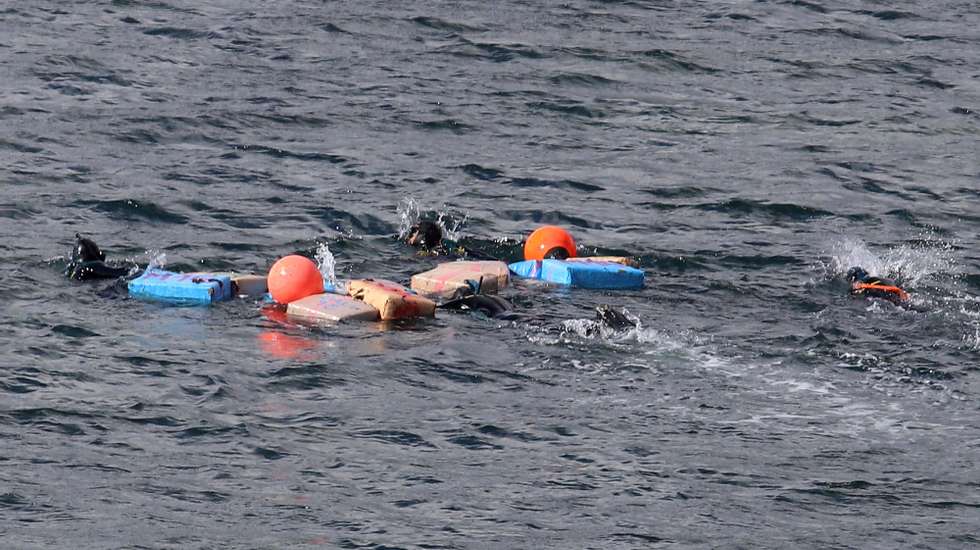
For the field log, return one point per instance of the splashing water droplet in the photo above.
(452, 226)
(326, 264)
(158, 260)
(408, 215)
(907, 263)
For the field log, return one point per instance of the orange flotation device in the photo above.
(547, 238)
(883, 291)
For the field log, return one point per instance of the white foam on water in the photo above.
(972, 341)
(648, 347)
(408, 215)
(452, 226)
(326, 263)
(158, 260)
(910, 264)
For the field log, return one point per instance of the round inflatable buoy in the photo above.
(551, 242)
(294, 278)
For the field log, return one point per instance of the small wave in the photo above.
(450, 124)
(558, 184)
(396, 437)
(566, 107)
(838, 32)
(889, 15)
(580, 79)
(673, 61)
(498, 53)
(588, 53)
(129, 209)
(548, 217)
(683, 192)
(279, 153)
(331, 28)
(176, 32)
(732, 16)
(933, 83)
(807, 5)
(481, 172)
(443, 25)
(779, 211)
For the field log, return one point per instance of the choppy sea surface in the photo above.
(746, 152)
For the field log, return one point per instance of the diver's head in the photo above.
(613, 318)
(856, 274)
(556, 253)
(543, 241)
(86, 250)
(425, 234)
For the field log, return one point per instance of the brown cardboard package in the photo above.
(246, 284)
(332, 307)
(253, 286)
(446, 279)
(392, 300)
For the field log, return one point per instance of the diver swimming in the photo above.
(88, 262)
(864, 284)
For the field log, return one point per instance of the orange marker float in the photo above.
(294, 278)
(549, 241)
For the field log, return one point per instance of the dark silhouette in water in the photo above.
(491, 306)
(428, 237)
(87, 262)
(615, 319)
(425, 235)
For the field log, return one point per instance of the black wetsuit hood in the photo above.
(87, 262)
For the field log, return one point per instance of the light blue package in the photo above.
(581, 274)
(185, 288)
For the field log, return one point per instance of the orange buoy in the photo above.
(544, 242)
(294, 278)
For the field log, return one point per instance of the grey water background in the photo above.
(746, 152)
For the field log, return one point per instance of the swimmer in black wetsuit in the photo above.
(863, 284)
(615, 319)
(87, 262)
(428, 238)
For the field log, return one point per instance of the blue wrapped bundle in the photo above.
(581, 274)
(183, 288)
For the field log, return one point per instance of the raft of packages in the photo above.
(382, 300)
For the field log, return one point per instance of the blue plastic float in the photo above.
(581, 274)
(184, 288)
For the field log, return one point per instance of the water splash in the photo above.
(972, 342)
(452, 225)
(327, 264)
(408, 215)
(663, 341)
(908, 263)
(158, 260)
